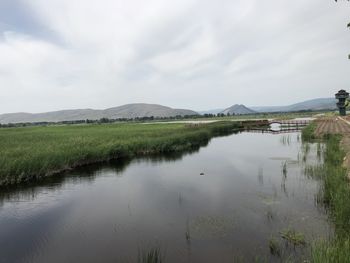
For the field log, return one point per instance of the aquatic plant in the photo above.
(188, 233)
(293, 237)
(285, 139)
(284, 169)
(154, 255)
(274, 246)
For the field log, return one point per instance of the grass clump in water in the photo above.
(274, 247)
(293, 237)
(152, 256)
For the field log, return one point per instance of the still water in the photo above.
(220, 204)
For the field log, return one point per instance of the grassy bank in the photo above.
(308, 134)
(335, 195)
(32, 153)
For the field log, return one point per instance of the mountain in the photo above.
(125, 111)
(238, 109)
(314, 105)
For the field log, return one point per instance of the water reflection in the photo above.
(253, 187)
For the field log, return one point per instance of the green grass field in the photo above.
(34, 152)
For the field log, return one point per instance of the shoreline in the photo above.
(54, 155)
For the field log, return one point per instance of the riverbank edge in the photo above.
(335, 197)
(197, 135)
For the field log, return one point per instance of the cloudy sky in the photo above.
(197, 54)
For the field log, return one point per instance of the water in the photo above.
(220, 204)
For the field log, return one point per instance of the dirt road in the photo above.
(332, 125)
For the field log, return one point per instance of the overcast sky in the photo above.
(197, 54)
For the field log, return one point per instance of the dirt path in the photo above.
(332, 125)
(337, 125)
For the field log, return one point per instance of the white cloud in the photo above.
(112, 52)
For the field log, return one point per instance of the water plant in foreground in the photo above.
(154, 255)
(274, 246)
(335, 196)
(293, 237)
(336, 251)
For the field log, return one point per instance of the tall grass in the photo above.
(336, 251)
(152, 256)
(31, 153)
(308, 133)
(335, 195)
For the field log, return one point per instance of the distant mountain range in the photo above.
(238, 109)
(155, 110)
(125, 111)
(314, 105)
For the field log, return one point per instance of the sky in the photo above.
(193, 54)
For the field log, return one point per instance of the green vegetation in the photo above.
(335, 195)
(34, 152)
(293, 237)
(308, 133)
(335, 251)
(274, 246)
(152, 256)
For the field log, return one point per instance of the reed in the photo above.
(32, 153)
(335, 196)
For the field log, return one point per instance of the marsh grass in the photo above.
(31, 153)
(293, 237)
(335, 196)
(274, 246)
(308, 133)
(336, 251)
(154, 255)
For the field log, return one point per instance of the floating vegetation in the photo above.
(293, 237)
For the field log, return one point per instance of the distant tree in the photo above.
(104, 120)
